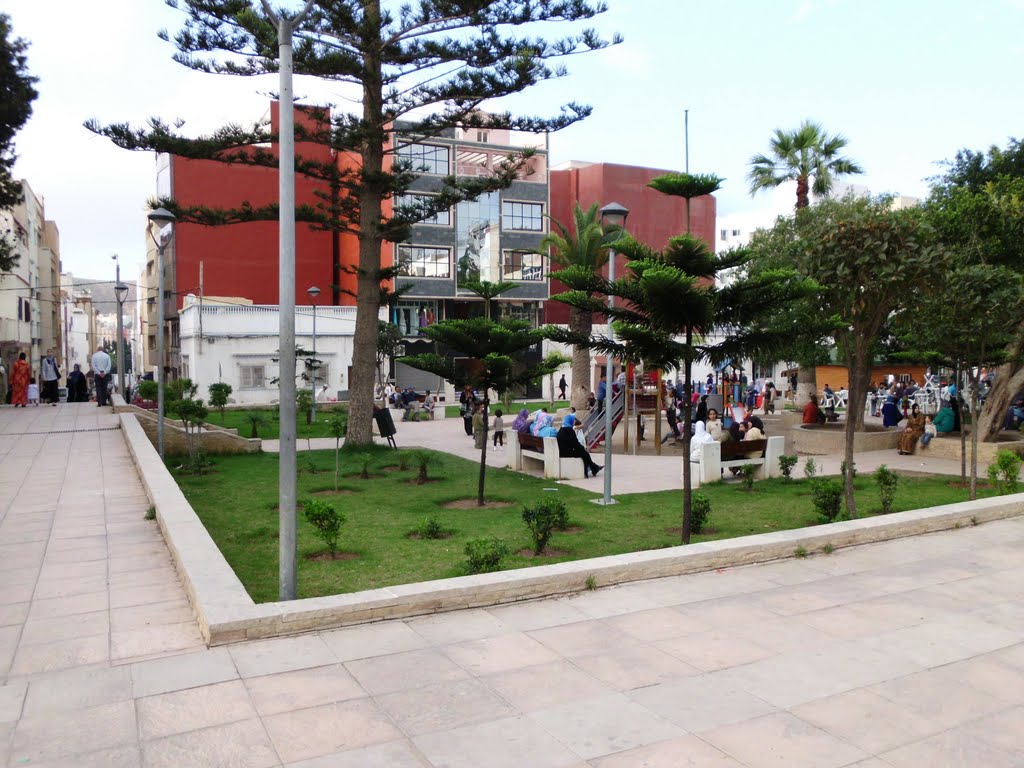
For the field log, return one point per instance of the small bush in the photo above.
(887, 481)
(786, 465)
(542, 519)
(431, 528)
(304, 403)
(148, 390)
(423, 460)
(800, 552)
(404, 460)
(700, 510)
(326, 520)
(219, 392)
(810, 469)
(827, 496)
(256, 420)
(485, 555)
(842, 469)
(151, 513)
(828, 549)
(747, 472)
(591, 583)
(1003, 472)
(363, 461)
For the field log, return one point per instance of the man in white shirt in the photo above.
(101, 365)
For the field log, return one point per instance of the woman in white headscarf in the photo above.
(700, 436)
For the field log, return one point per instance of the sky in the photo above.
(908, 83)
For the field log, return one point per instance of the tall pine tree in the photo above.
(421, 68)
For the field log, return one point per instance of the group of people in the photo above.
(25, 390)
(571, 442)
(710, 429)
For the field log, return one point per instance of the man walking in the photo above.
(50, 374)
(101, 372)
(562, 385)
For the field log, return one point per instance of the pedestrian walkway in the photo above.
(902, 654)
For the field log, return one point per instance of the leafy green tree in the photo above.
(869, 261)
(494, 361)
(670, 307)
(422, 69)
(192, 412)
(337, 424)
(801, 155)
(579, 253)
(17, 92)
(389, 342)
(219, 393)
(972, 209)
(555, 360)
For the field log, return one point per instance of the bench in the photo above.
(717, 456)
(529, 448)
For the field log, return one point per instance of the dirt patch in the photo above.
(546, 553)
(339, 492)
(359, 476)
(320, 556)
(471, 504)
(958, 484)
(574, 529)
(417, 481)
(678, 531)
(417, 537)
(394, 468)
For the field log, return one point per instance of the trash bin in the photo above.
(385, 424)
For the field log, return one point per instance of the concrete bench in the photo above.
(544, 450)
(717, 456)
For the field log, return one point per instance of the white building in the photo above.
(237, 343)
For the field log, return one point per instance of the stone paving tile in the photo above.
(660, 624)
(781, 739)
(167, 714)
(12, 698)
(393, 754)
(583, 638)
(443, 706)
(635, 666)
(65, 627)
(508, 743)
(954, 748)
(546, 685)
(366, 640)
(188, 670)
(236, 745)
(402, 671)
(926, 694)
(685, 752)
(717, 649)
(701, 703)
(317, 731)
(286, 691)
(498, 654)
(537, 614)
(78, 689)
(129, 756)
(63, 654)
(43, 737)
(285, 654)
(131, 643)
(454, 628)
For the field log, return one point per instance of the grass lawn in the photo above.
(236, 419)
(238, 505)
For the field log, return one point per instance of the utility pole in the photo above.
(686, 137)
(287, 474)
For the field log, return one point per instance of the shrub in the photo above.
(219, 392)
(304, 403)
(256, 420)
(700, 510)
(786, 465)
(151, 513)
(542, 519)
(364, 460)
(842, 469)
(148, 390)
(810, 469)
(431, 528)
(485, 555)
(326, 520)
(827, 496)
(423, 460)
(404, 460)
(886, 480)
(747, 472)
(1003, 472)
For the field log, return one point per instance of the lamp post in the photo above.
(313, 292)
(121, 292)
(287, 472)
(612, 215)
(162, 218)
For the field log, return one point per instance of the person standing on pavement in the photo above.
(50, 375)
(78, 387)
(562, 386)
(101, 365)
(20, 375)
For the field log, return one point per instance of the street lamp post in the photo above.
(313, 292)
(612, 215)
(287, 470)
(121, 292)
(162, 218)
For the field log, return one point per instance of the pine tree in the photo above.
(422, 69)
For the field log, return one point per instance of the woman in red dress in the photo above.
(20, 375)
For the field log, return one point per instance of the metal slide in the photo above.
(593, 425)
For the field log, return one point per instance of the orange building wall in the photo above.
(836, 375)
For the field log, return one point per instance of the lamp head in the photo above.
(162, 217)
(614, 215)
(121, 292)
(313, 291)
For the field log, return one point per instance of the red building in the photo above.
(654, 218)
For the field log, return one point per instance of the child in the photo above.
(929, 431)
(33, 392)
(499, 429)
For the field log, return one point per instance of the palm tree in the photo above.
(798, 156)
(582, 251)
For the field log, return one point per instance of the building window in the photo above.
(424, 261)
(725, 234)
(439, 219)
(426, 158)
(735, 233)
(251, 376)
(522, 265)
(524, 216)
(322, 375)
(481, 136)
(412, 317)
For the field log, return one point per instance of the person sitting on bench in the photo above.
(569, 446)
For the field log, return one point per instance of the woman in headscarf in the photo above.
(479, 427)
(700, 437)
(467, 405)
(538, 422)
(543, 425)
(569, 446)
(754, 431)
(20, 375)
(522, 421)
(914, 429)
(891, 416)
(702, 410)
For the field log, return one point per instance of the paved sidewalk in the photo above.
(902, 654)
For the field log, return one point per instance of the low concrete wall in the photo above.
(948, 447)
(214, 439)
(819, 440)
(226, 613)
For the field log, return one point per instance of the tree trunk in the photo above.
(658, 408)
(959, 404)
(582, 323)
(859, 372)
(687, 421)
(337, 461)
(364, 352)
(802, 188)
(1009, 381)
(975, 419)
(806, 384)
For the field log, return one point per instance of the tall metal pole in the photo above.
(686, 136)
(313, 368)
(286, 303)
(160, 383)
(608, 399)
(120, 333)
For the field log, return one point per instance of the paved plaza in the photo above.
(903, 654)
